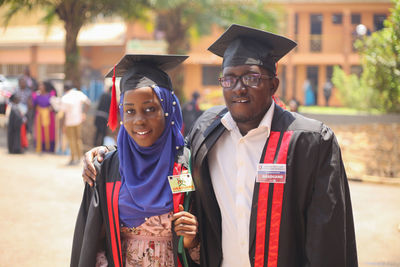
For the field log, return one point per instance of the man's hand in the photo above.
(89, 171)
(186, 225)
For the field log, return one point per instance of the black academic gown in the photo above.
(15, 122)
(311, 221)
(97, 226)
(101, 118)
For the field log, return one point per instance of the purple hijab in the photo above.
(145, 190)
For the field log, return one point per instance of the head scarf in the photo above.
(145, 190)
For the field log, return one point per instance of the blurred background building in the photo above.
(324, 29)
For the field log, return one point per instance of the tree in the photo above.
(379, 84)
(74, 14)
(181, 20)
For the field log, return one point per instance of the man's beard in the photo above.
(251, 117)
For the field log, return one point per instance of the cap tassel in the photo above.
(112, 114)
(279, 102)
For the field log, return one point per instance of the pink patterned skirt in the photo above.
(149, 244)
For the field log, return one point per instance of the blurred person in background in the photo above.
(328, 86)
(44, 120)
(309, 96)
(30, 81)
(15, 121)
(294, 105)
(25, 96)
(74, 105)
(101, 118)
(190, 112)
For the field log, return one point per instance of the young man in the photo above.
(271, 189)
(75, 105)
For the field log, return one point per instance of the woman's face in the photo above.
(42, 88)
(143, 116)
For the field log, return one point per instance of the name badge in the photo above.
(271, 173)
(181, 183)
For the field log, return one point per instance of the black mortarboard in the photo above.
(145, 70)
(241, 45)
(140, 71)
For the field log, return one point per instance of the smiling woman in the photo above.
(136, 203)
(143, 116)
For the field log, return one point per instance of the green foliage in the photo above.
(197, 17)
(250, 13)
(379, 84)
(352, 91)
(74, 14)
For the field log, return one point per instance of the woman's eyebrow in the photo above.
(128, 104)
(148, 101)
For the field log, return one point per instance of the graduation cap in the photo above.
(138, 71)
(242, 45)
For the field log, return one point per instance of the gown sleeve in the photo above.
(87, 228)
(330, 238)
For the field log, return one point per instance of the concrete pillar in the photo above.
(33, 63)
(347, 44)
(290, 89)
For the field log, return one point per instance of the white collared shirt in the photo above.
(233, 161)
(72, 105)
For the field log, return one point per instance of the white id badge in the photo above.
(271, 173)
(181, 183)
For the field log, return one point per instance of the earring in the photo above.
(121, 123)
(166, 114)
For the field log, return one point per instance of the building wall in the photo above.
(336, 49)
(336, 46)
(336, 40)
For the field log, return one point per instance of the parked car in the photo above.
(8, 85)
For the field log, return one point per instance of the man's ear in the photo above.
(275, 84)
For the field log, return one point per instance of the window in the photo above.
(329, 72)
(316, 31)
(356, 69)
(296, 23)
(337, 18)
(378, 21)
(316, 23)
(355, 19)
(210, 75)
(12, 69)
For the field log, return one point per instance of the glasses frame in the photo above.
(237, 78)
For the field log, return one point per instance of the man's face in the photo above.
(22, 83)
(248, 105)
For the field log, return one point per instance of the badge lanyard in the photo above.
(181, 249)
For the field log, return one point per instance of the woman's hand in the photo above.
(186, 225)
(89, 171)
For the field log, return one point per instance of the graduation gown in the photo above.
(307, 221)
(15, 122)
(98, 215)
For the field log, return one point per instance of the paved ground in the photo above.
(376, 209)
(40, 198)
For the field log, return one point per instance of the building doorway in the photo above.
(312, 77)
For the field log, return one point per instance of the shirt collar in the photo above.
(230, 124)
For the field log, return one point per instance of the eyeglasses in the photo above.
(250, 80)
